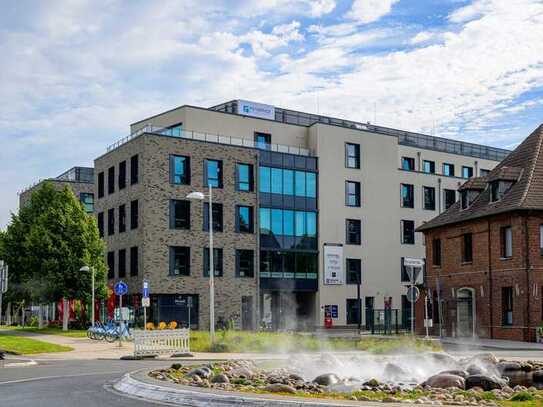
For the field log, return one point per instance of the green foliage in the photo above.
(47, 243)
(522, 396)
(24, 346)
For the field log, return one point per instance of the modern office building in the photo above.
(304, 207)
(79, 179)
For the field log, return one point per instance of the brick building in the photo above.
(484, 254)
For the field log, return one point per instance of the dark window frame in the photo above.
(185, 178)
(505, 251)
(121, 261)
(408, 163)
(507, 306)
(180, 223)
(186, 267)
(429, 205)
(251, 227)
(446, 202)
(100, 222)
(220, 179)
(409, 203)
(451, 168)
(250, 183)
(436, 252)
(356, 196)
(218, 262)
(134, 261)
(134, 214)
(467, 248)
(357, 233)
(101, 186)
(356, 271)
(134, 169)
(122, 175)
(111, 180)
(352, 157)
(110, 265)
(122, 218)
(432, 165)
(218, 221)
(407, 238)
(111, 221)
(468, 169)
(249, 271)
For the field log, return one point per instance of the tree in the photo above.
(47, 243)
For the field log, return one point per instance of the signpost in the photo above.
(145, 302)
(413, 268)
(121, 288)
(3, 284)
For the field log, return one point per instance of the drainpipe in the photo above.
(490, 290)
(528, 267)
(419, 168)
(439, 195)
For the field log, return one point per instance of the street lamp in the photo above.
(86, 269)
(201, 196)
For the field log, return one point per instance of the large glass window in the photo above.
(408, 232)
(244, 173)
(265, 179)
(311, 224)
(213, 173)
(354, 271)
(352, 155)
(134, 169)
(244, 219)
(276, 181)
(217, 217)
(111, 180)
(353, 311)
(448, 169)
(300, 183)
(449, 197)
(429, 167)
(245, 263)
(277, 221)
(408, 163)
(311, 185)
(217, 262)
(352, 193)
(300, 223)
(262, 140)
(408, 196)
(265, 221)
(467, 172)
(179, 261)
(122, 175)
(288, 182)
(179, 214)
(429, 198)
(353, 231)
(87, 199)
(288, 223)
(180, 170)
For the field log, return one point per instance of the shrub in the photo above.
(220, 347)
(522, 396)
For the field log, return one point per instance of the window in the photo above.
(354, 271)
(353, 311)
(265, 180)
(244, 219)
(408, 196)
(467, 248)
(110, 265)
(353, 231)
(244, 177)
(429, 198)
(262, 140)
(121, 254)
(288, 182)
(245, 263)
(484, 172)
(464, 199)
(134, 261)
(101, 185)
(541, 239)
(122, 175)
(179, 170)
(111, 180)
(436, 252)
(134, 214)
(179, 214)
(134, 169)
(179, 261)
(449, 196)
(174, 130)
(498, 189)
(352, 193)
(408, 163)
(101, 224)
(507, 306)
(408, 232)
(111, 221)
(299, 179)
(467, 172)
(87, 200)
(213, 173)
(122, 218)
(429, 167)
(506, 242)
(352, 155)
(448, 169)
(217, 262)
(217, 217)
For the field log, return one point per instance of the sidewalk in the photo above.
(492, 344)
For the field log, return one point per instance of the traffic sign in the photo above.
(145, 293)
(145, 302)
(413, 294)
(410, 262)
(121, 288)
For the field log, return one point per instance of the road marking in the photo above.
(32, 379)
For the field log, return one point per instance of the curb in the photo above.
(187, 396)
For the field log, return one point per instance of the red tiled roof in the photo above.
(524, 165)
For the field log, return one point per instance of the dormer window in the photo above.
(498, 189)
(467, 197)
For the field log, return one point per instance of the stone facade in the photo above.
(153, 236)
(487, 274)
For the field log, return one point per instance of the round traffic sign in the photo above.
(121, 288)
(413, 294)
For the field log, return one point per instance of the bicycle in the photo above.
(119, 331)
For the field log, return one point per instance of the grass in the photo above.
(25, 346)
(72, 333)
(240, 341)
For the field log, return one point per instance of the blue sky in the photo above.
(75, 74)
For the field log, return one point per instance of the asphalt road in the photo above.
(68, 384)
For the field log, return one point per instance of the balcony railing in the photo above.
(211, 138)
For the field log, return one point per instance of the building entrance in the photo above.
(287, 310)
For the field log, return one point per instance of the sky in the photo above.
(74, 74)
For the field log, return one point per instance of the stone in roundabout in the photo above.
(487, 383)
(445, 380)
(537, 376)
(220, 378)
(326, 379)
(461, 373)
(203, 372)
(280, 388)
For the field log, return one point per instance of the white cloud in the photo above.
(421, 37)
(368, 11)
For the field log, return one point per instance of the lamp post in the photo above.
(86, 269)
(201, 196)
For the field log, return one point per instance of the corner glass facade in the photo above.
(288, 216)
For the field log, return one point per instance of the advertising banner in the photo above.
(333, 265)
(253, 109)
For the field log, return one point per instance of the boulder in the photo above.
(394, 372)
(220, 378)
(506, 367)
(487, 383)
(537, 376)
(176, 366)
(294, 376)
(372, 383)
(461, 373)
(203, 372)
(326, 379)
(242, 372)
(474, 370)
(280, 388)
(443, 358)
(445, 380)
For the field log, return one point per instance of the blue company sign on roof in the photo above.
(247, 108)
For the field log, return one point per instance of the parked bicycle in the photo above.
(100, 330)
(119, 331)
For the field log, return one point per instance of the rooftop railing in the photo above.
(404, 137)
(211, 138)
(74, 174)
